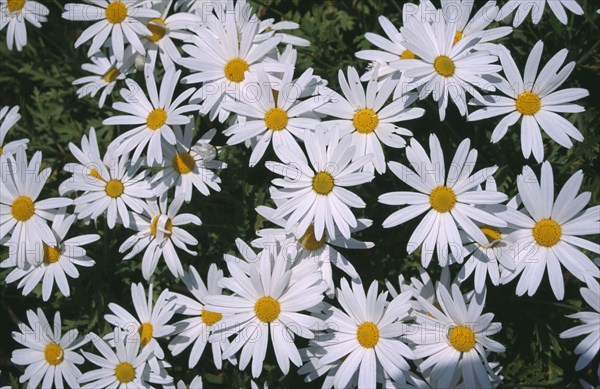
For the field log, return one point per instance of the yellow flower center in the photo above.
(154, 225)
(462, 338)
(54, 354)
(365, 120)
(94, 173)
(407, 54)
(491, 233)
(111, 75)
(116, 12)
(114, 188)
(309, 241)
(235, 70)
(51, 254)
(124, 372)
(442, 199)
(156, 119)
(22, 208)
(267, 309)
(158, 28)
(528, 103)
(276, 119)
(323, 183)
(547, 232)
(210, 318)
(444, 66)
(15, 5)
(183, 163)
(145, 333)
(367, 334)
(458, 36)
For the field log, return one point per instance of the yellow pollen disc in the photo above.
(145, 333)
(124, 372)
(94, 173)
(367, 334)
(458, 36)
(309, 241)
(158, 27)
(114, 188)
(51, 254)
(183, 163)
(528, 103)
(22, 208)
(267, 309)
(491, 233)
(547, 232)
(210, 318)
(54, 354)
(365, 120)
(407, 54)
(111, 75)
(323, 183)
(15, 5)
(462, 338)
(442, 199)
(156, 119)
(154, 225)
(444, 66)
(235, 70)
(276, 119)
(116, 12)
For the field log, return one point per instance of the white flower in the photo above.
(453, 340)
(151, 322)
(13, 14)
(60, 258)
(443, 68)
(588, 348)
(523, 7)
(21, 215)
(265, 303)
(9, 118)
(447, 200)
(49, 356)
(534, 99)
(269, 28)
(316, 193)
(153, 117)
(159, 233)
(119, 19)
(200, 324)
(367, 117)
(548, 232)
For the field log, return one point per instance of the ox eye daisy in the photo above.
(8, 118)
(524, 7)
(14, 13)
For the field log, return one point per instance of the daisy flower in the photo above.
(548, 232)
(60, 258)
(266, 304)
(317, 194)
(443, 68)
(106, 72)
(588, 348)
(150, 323)
(124, 367)
(13, 14)
(22, 216)
(49, 356)
(367, 118)
(523, 7)
(535, 100)
(8, 118)
(188, 166)
(201, 322)
(121, 20)
(269, 28)
(447, 199)
(153, 117)
(159, 233)
(274, 114)
(453, 340)
(364, 339)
